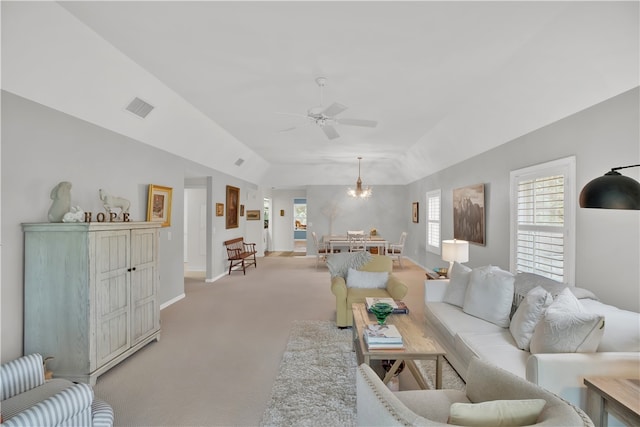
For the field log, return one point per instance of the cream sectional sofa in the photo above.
(465, 336)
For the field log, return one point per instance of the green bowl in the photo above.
(381, 310)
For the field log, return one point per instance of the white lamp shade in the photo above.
(455, 250)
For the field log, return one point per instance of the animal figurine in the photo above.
(113, 202)
(74, 215)
(61, 196)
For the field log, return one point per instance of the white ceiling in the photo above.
(444, 80)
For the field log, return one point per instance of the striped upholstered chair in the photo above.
(29, 400)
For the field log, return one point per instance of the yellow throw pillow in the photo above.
(495, 413)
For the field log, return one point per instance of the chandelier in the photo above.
(359, 192)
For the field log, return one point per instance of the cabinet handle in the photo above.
(131, 269)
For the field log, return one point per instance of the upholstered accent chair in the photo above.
(377, 405)
(30, 400)
(348, 291)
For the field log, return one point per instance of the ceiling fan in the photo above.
(325, 117)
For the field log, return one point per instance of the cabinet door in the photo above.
(145, 312)
(112, 294)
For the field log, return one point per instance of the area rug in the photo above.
(316, 382)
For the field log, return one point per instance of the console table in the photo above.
(617, 396)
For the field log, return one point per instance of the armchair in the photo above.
(379, 406)
(345, 296)
(28, 400)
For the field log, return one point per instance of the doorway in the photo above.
(300, 225)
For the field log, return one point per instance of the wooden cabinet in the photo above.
(91, 294)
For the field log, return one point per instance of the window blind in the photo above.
(540, 226)
(433, 221)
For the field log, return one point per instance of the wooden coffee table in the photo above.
(417, 346)
(618, 396)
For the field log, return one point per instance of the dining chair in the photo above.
(397, 249)
(356, 241)
(322, 249)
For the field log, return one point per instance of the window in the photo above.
(433, 221)
(543, 220)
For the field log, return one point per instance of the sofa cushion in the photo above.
(366, 279)
(458, 282)
(431, 404)
(457, 287)
(497, 413)
(622, 332)
(498, 348)
(567, 327)
(490, 295)
(528, 315)
(450, 320)
(524, 282)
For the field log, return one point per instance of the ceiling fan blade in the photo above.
(330, 131)
(333, 109)
(294, 127)
(291, 114)
(358, 122)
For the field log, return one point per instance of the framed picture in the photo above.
(281, 212)
(219, 209)
(414, 212)
(241, 210)
(253, 215)
(469, 214)
(159, 204)
(233, 206)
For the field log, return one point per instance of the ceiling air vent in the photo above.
(239, 161)
(140, 108)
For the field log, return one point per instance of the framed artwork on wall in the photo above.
(253, 215)
(159, 204)
(219, 209)
(469, 214)
(414, 212)
(233, 206)
(241, 210)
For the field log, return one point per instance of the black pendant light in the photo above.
(612, 191)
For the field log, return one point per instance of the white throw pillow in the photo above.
(457, 287)
(496, 413)
(367, 279)
(528, 314)
(567, 327)
(489, 295)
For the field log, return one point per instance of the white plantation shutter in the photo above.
(433, 221)
(543, 220)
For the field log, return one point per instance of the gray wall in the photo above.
(41, 147)
(388, 210)
(608, 241)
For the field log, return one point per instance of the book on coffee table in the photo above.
(385, 346)
(382, 334)
(399, 307)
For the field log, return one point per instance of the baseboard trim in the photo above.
(172, 301)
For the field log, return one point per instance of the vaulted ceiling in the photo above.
(444, 80)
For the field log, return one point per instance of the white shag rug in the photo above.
(316, 382)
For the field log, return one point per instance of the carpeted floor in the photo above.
(315, 385)
(222, 345)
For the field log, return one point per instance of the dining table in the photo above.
(341, 241)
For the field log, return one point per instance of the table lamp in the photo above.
(455, 250)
